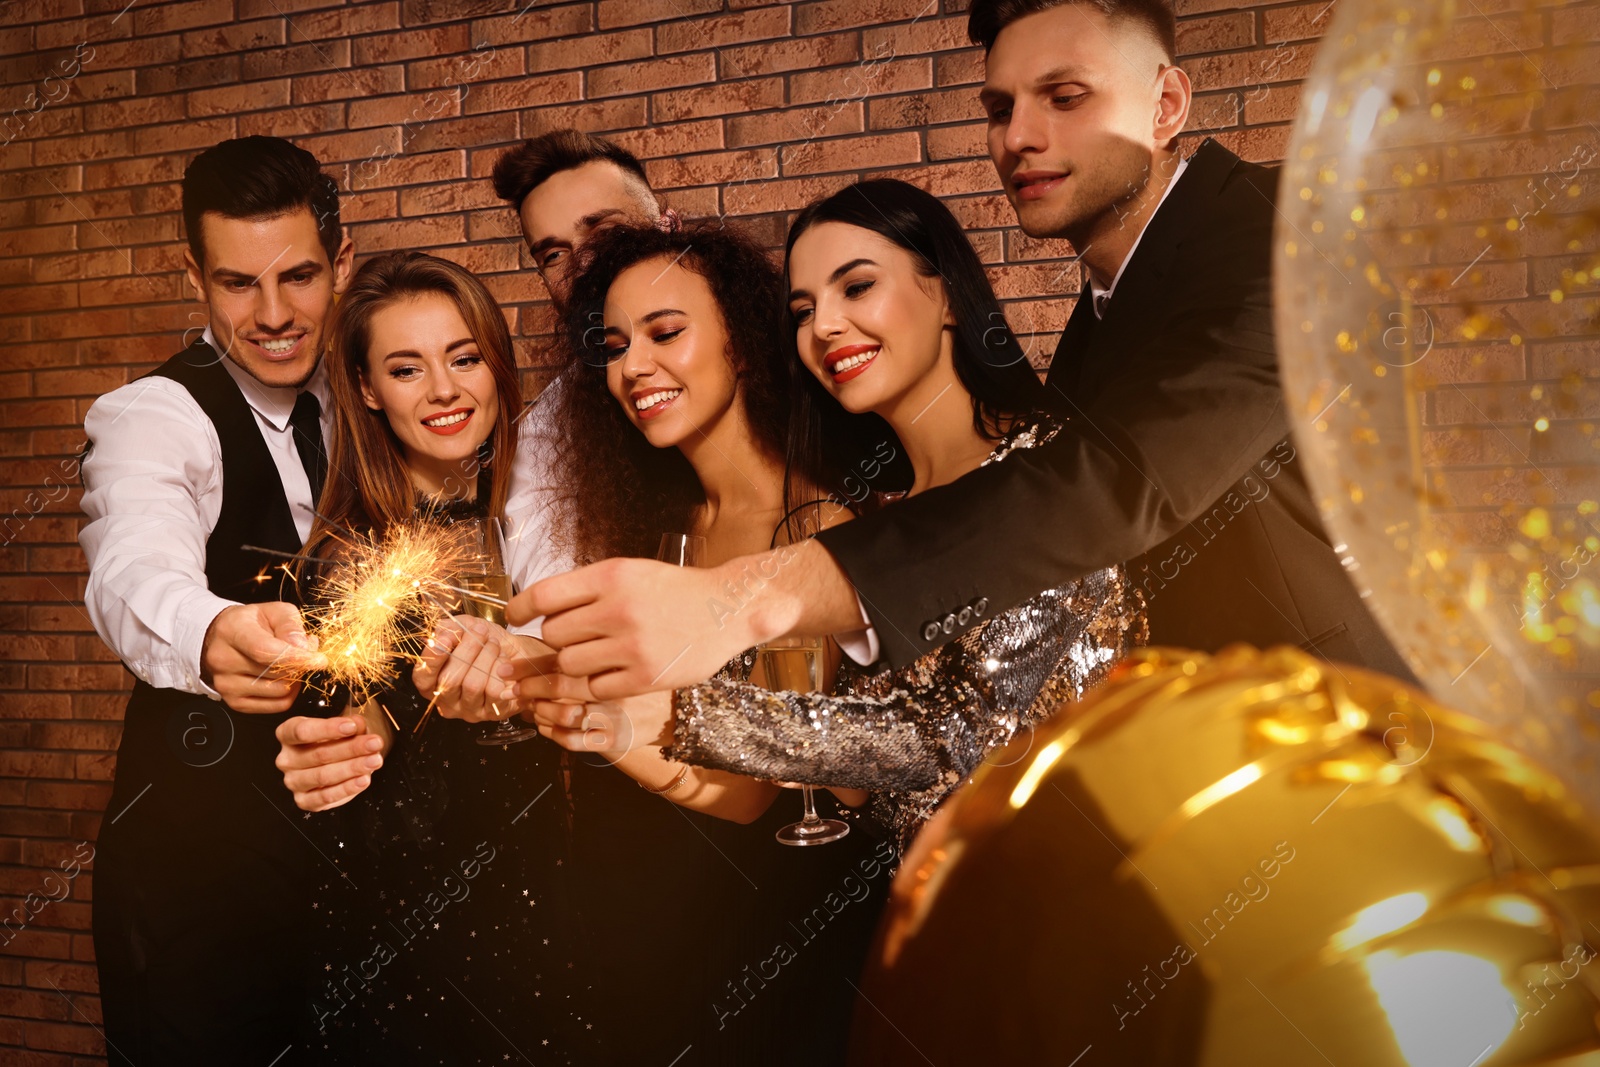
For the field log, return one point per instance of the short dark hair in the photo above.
(259, 178)
(988, 17)
(520, 170)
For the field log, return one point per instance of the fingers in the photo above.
(561, 592)
(563, 716)
(256, 696)
(304, 730)
(333, 796)
(540, 680)
(314, 779)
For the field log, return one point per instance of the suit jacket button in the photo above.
(930, 631)
(964, 616)
(980, 605)
(950, 623)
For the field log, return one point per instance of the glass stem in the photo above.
(811, 807)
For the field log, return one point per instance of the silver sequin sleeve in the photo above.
(912, 735)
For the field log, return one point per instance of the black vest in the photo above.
(194, 778)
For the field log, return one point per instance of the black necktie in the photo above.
(306, 423)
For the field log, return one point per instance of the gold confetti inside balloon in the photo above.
(1438, 300)
(1247, 860)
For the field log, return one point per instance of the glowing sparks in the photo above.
(384, 596)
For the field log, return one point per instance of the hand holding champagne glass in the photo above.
(795, 664)
(486, 573)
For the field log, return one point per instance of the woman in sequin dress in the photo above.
(444, 930)
(895, 326)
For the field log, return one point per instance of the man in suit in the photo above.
(201, 871)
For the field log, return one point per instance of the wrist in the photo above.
(770, 609)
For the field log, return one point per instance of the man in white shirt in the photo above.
(200, 874)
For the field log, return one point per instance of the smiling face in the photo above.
(567, 208)
(667, 347)
(269, 290)
(869, 325)
(1076, 113)
(424, 371)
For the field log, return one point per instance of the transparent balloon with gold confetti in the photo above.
(1437, 273)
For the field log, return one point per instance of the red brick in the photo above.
(293, 122)
(1218, 34)
(347, 84)
(590, 50)
(190, 74)
(525, 92)
(135, 111)
(410, 233)
(966, 141)
(403, 110)
(928, 34)
(105, 86)
(234, 37)
(617, 113)
(958, 68)
(164, 18)
(411, 44)
(484, 63)
(195, 133)
(410, 169)
(757, 198)
(872, 78)
(806, 53)
(347, 21)
(686, 35)
(841, 14)
(313, 57)
(713, 168)
(924, 109)
(655, 142)
(138, 52)
(722, 99)
(851, 154)
(441, 199)
(123, 173)
(651, 75)
(535, 23)
(232, 99)
(795, 124)
(614, 13)
(71, 150)
(493, 128)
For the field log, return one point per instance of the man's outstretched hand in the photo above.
(633, 626)
(254, 655)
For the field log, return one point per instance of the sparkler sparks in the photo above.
(384, 596)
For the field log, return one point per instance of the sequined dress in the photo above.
(911, 736)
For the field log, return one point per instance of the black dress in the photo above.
(710, 941)
(444, 931)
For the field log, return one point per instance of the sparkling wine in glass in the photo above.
(485, 572)
(794, 664)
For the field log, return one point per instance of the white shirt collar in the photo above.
(273, 403)
(1099, 299)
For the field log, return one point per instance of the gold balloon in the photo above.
(1437, 272)
(1256, 859)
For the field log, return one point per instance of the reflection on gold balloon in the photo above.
(1240, 860)
(1438, 301)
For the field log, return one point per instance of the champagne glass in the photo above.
(682, 550)
(485, 572)
(794, 664)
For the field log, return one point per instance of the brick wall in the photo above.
(740, 107)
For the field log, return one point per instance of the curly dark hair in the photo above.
(622, 493)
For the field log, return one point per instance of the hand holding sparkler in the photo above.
(458, 669)
(253, 655)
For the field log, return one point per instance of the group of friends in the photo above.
(287, 875)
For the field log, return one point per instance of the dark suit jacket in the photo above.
(1176, 459)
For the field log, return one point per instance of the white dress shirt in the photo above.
(863, 646)
(153, 492)
(531, 551)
